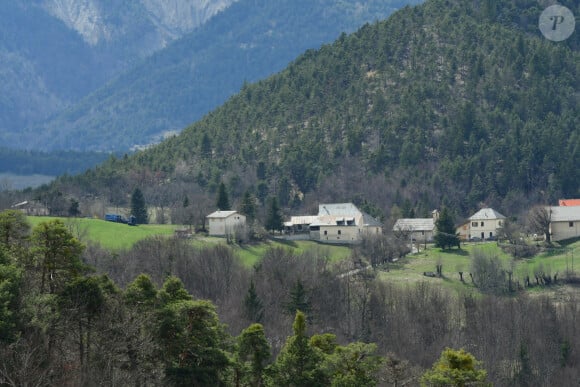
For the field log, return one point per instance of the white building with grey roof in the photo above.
(223, 223)
(564, 222)
(417, 229)
(485, 224)
(340, 223)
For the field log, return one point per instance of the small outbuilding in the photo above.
(419, 229)
(222, 223)
(564, 222)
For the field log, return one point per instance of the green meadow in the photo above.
(562, 259)
(116, 236)
(110, 235)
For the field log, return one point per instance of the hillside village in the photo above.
(344, 223)
(388, 209)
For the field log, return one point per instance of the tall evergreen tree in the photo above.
(253, 307)
(298, 300)
(274, 220)
(248, 207)
(253, 353)
(445, 235)
(138, 207)
(299, 363)
(223, 201)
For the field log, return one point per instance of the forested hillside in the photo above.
(248, 41)
(442, 104)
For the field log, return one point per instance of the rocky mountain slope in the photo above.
(248, 40)
(54, 52)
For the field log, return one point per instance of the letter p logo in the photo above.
(557, 23)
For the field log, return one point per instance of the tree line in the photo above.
(165, 311)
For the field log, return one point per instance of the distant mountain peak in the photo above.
(83, 16)
(98, 23)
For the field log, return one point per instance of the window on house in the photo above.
(473, 224)
(499, 222)
(570, 224)
(325, 232)
(338, 232)
(481, 224)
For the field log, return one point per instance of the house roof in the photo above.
(221, 214)
(569, 202)
(486, 214)
(370, 221)
(302, 219)
(418, 224)
(565, 214)
(338, 209)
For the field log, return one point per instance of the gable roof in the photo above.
(331, 214)
(338, 209)
(221, 214)
(414, 224)
(565, 214)
(569, 202)
(370, 221)
(486, 214)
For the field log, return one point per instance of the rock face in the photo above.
(176, 17)
(98, 22)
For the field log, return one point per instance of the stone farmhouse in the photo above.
(222, 223)
(339, 223)
(484, 224)
(419, 229)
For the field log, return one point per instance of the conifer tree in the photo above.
(223, 201)
(299, 364)
(253, 307)
(298, 299)
(138, 207)
(445, 236)
(248, 207)
(253, 353)
(274, 218)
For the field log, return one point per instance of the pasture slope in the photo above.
(117, 236)
(562, 259)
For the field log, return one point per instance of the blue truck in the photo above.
(120, 219)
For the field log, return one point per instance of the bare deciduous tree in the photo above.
(539, 219)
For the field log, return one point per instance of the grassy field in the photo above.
(252, 254)
(115, 236)
(411, 268)
(562, 259)
(110, 235)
